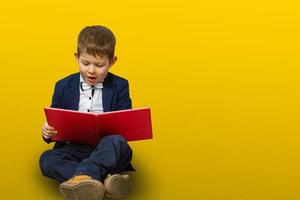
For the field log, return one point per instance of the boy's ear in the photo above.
(113, 61)
(76, 56)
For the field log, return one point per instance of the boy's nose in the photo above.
(92, 69)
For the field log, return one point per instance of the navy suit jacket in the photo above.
(115, 95)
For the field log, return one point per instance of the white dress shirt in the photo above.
(87, 101)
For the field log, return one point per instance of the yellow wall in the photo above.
(221, 77)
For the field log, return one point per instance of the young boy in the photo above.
(84, 170)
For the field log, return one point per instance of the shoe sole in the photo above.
(84, 190)
(117, 186)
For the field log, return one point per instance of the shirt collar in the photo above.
(87, 86)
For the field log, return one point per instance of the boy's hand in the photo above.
(48, 131)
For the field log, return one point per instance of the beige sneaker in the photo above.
(117, 186)
(82, 188)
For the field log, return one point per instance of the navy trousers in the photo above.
(111, 155)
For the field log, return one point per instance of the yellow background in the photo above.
(221, 78)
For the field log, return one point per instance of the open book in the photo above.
(88, 128)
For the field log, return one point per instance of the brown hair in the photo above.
(96, 41)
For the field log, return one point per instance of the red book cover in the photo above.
(88, 128)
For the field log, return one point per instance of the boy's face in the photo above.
(93, 69)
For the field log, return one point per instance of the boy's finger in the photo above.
(48, 131)
(52, 132)
(50, 128)
(46, 135)
(49, 134)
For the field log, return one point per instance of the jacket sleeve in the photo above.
(47, 140)
(56, 103)
(57, 96)
(124, 101)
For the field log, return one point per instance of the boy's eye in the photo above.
(85, 63)
(99, 65)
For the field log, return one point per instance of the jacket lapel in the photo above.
(107, 93)
(72, 93)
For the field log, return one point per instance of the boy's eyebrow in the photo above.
(100, 62)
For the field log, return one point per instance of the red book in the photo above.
(88, 128)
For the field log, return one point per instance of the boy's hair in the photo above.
(96, 41)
